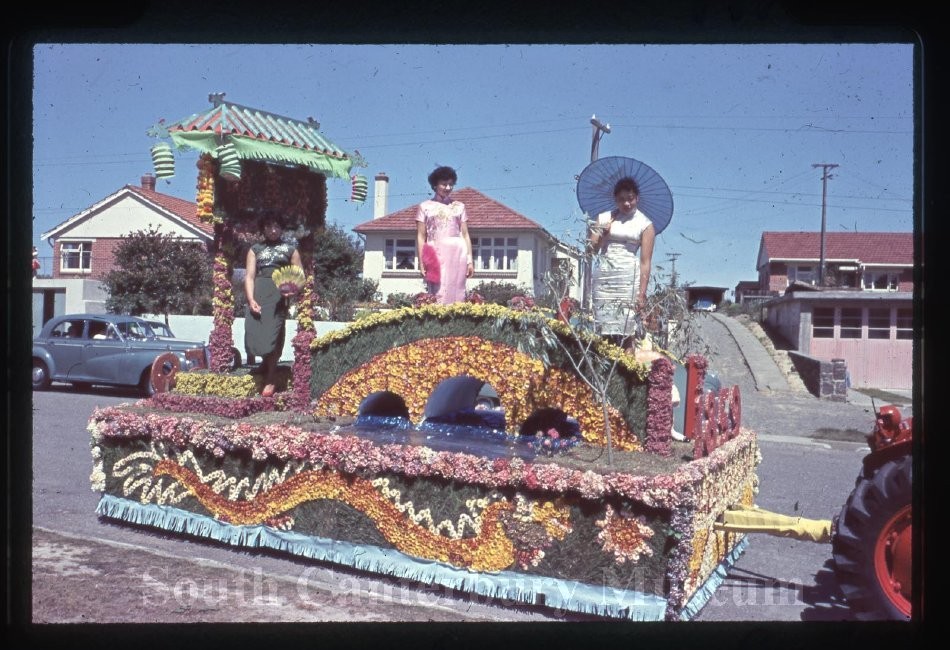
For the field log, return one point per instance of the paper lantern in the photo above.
(360, 187)
(163, 160)
(229, 163)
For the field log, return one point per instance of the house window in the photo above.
(495, 253)
(823, 323)
(76, 256)
(905, 324)
(401, 254)
(879, 323)
(850, 322)
(881, 280)
(801, 273)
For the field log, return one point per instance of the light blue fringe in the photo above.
(705, 592)
(506, 585)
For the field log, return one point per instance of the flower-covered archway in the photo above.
(411, 351)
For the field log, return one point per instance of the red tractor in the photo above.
(872, 536)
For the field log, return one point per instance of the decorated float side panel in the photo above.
(606, 539)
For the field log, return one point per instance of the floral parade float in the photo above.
(571, 494)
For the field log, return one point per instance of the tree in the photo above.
(159, 273)
(338, 272)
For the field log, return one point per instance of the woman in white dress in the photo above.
(624, 238)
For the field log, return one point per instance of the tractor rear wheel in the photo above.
(872, 543)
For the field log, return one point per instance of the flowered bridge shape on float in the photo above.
(634, 540)
(411, 351)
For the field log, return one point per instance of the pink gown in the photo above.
(444, 231)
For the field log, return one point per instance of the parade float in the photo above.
(570, 493)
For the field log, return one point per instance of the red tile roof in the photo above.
(867, 247)
(187, 210)
(484, 213)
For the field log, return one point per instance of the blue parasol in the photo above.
(595, 189)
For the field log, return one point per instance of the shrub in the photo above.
(397, 300)
(499, 293)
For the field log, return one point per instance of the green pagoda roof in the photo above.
(259, 135)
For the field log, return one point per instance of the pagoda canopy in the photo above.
(259, 135)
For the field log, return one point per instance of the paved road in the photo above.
(811, 455)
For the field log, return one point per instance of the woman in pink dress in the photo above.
(442, 230)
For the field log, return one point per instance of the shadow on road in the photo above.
(824, 599)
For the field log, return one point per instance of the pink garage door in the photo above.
(875, 342)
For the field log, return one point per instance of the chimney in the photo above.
(380, 195)
(148, 182)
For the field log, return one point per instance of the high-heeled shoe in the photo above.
(268, 390)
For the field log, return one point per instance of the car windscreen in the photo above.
(135, 330)
(160, 329)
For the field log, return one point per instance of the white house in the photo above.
(507, 246)
(83, 246)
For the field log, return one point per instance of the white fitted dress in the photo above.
(616, 274)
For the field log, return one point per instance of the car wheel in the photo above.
(41, 378)
(145, 383)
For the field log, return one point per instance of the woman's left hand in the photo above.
(470, 270)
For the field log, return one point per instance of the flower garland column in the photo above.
(222, 301)
(306, 331)
(660, 408)
(222, 296)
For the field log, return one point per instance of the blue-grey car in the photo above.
(106, 349)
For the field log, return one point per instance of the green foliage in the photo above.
(159, 273)
(499, 293)
(558, 282)
(397, 299)
(751, 309)
(337, 269)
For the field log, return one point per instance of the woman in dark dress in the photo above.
(266, 307)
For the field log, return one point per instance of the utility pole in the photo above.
(599, 130)
(672, 258)
(824, 189)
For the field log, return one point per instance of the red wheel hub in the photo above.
(892, 559)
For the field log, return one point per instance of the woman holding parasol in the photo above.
(623, 237)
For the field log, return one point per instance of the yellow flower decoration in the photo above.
(205, 197)
(414, 370)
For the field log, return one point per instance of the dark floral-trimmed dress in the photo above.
(264, 332)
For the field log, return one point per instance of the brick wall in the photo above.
(102, 260)
(777, 276)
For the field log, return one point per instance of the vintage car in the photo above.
(108, 349)
(160, 329)
(704, 304)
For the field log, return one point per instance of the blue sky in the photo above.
(733, 129)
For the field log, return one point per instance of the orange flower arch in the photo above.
(413, 371)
